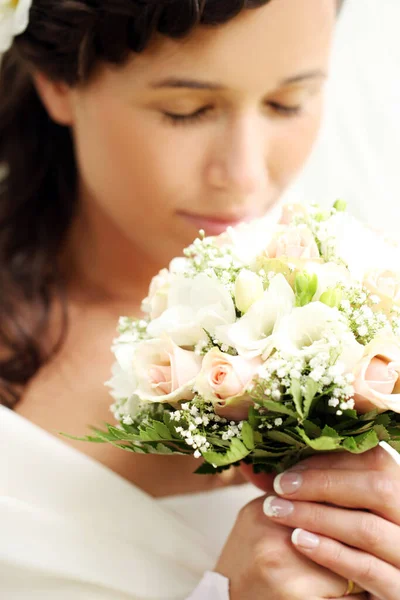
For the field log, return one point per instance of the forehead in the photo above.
(274, 41)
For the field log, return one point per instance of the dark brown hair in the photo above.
(65, 40)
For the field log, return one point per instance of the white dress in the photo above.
(71, 529)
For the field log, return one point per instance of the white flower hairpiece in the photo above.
(14, 19)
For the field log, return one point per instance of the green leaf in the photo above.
(395, 444)
(350, 445)
(383, 419)
(248, 435)
(309, 395)
(284, 438)
(363, 442)
(382, 433)
(236, 452)
(332, 297)
(330, 432)
(295, 391)
(163, 449)
(311, 429)
(162, 430)
(324, 443)
(259, 455)
(252, 418)
(279, 408)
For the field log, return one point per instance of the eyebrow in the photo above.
(193, 84)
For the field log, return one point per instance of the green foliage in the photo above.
(332, 297)
(340, 206)
(311, 428)
(305, 286)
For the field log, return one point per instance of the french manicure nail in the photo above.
(288, 483)
(391, 451)
(277, 507)
(305, 539)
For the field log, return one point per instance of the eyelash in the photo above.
(175, 119)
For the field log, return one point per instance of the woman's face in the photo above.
(203, 132)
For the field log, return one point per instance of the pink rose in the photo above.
(377, 384)
(165, 372)
(290, 212)
(224, 380)
(157, 300)
(293, 242)
(385, 285)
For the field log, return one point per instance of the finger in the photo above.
(371, 574)
(361, 530)
(295, 571)
(263, 481)
(376, 491)
(382, 458)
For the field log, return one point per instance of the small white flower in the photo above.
(14, 19)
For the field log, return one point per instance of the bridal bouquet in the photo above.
(266, 345)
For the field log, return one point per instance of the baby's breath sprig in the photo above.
(357, 306)
(133, 330)
(205, 256)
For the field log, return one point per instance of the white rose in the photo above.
(194, 306)
(248, 289)
(251, 335)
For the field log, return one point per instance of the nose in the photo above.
(239, 161)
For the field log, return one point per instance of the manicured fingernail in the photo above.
(277, 507)
(288, 483)
(305, 539)
(391, 451)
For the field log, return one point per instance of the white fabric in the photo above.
(358, 153)
(72, 529)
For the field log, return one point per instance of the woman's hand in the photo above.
(261, 562)
(345, 511)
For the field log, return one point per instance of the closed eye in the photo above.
(284, 109)
(177, 118)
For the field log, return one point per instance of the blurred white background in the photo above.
(357, 157)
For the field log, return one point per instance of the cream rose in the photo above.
(377, 384)
(164, 372)
(385, 285)
(224, 380)
(293, 242)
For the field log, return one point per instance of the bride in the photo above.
(125, 127)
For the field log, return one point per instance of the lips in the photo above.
(215, 225)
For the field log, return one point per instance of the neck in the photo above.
(103, 264)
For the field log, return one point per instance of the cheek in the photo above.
(130, 164)
(292, 143)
